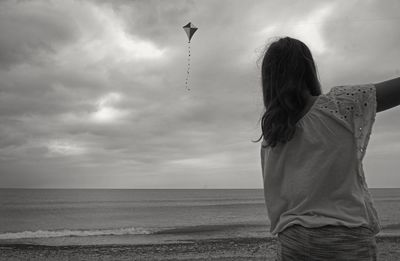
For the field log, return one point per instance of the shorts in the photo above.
(326, 243)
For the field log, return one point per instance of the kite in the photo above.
(190, 29)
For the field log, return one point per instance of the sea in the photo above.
(148, 216)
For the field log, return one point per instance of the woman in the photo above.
(313, 144)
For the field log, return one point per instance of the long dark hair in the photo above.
(287, 69)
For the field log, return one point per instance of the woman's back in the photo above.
(317, 198)
(317, 178)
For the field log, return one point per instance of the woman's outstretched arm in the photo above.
(387, 94)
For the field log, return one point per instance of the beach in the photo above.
(209, 249)
(209, 224)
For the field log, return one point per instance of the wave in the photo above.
(75, 233)
(125, 231)
(206, 228)
(391, 226)
(389, 199)
(167, 204)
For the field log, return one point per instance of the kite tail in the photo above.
(188, 67)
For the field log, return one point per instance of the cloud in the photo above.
(63, 147)
(33, 31)
(308, 28)
(92, 93)
(106, 112)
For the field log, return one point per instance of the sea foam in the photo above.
(75, 233)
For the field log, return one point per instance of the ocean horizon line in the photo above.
(165, 188)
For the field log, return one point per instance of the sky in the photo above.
(92, 93)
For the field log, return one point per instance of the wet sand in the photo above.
(210, 249)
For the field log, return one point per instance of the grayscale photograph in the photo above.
(200, 130)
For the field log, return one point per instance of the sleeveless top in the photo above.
(317, 177)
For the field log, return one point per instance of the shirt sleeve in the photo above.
(356, 106)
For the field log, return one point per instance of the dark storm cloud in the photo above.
(31, 32)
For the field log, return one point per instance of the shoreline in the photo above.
(245, 248)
